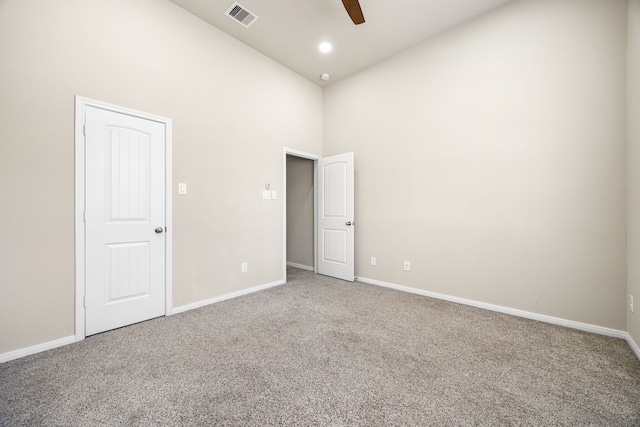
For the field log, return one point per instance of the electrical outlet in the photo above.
(407, 266)
(182, 188)
(631, 303)
(244, 267)
(373, 260)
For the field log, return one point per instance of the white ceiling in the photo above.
(289, 31)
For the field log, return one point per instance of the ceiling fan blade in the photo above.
(354, 11)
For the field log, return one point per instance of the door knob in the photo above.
(159, 230)
(349, 223)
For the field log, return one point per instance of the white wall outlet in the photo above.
(274, 195)
(266, 195)
(631, 303)
(182, 188)
(244, 267)
(407, 266)
(373, 260)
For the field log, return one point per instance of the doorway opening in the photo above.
(331, 188)
(300, 216)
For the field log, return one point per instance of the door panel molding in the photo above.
(81, 105)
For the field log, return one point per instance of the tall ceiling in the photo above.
(290, 31)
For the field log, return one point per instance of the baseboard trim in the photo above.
(27, 351)
(187, 307)
(501, 309)
(300, 266)
(633, 346)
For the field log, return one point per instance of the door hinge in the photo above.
(84, 301)
(84, 130)
(84, 216)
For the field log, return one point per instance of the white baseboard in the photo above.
(501, 309)
(633, 346)
(22, 352)
(16, 354)
(300, 266)
(210, 301)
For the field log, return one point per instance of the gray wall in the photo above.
(232, 108)
(300, 211)
(633, 149)
(493, 158)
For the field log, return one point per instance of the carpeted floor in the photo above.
(319, 351)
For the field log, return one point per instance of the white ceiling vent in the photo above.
(241, 15)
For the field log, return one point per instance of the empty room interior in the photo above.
(496, 159)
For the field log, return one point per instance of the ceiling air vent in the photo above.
(241, 15)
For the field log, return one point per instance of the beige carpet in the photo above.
(320, 351)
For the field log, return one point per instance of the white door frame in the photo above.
(297, 153)
(81, 104)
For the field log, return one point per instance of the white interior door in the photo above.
(124, 219)
(336, 217)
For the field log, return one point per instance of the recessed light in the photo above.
(325, 76)
(325, 47)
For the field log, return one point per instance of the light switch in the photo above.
(274, 195)
(266, 195)
(182, 188)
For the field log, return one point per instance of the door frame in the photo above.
(297, 153)
(81, 104)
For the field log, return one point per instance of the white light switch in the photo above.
(274, 195)
(266, 195)
(182, 188)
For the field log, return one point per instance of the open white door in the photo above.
(125, 219)
(336, 217)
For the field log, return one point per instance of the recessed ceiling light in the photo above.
(325, 76)
(325, 47)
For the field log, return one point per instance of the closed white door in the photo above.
(336, 217)
(124, 220)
